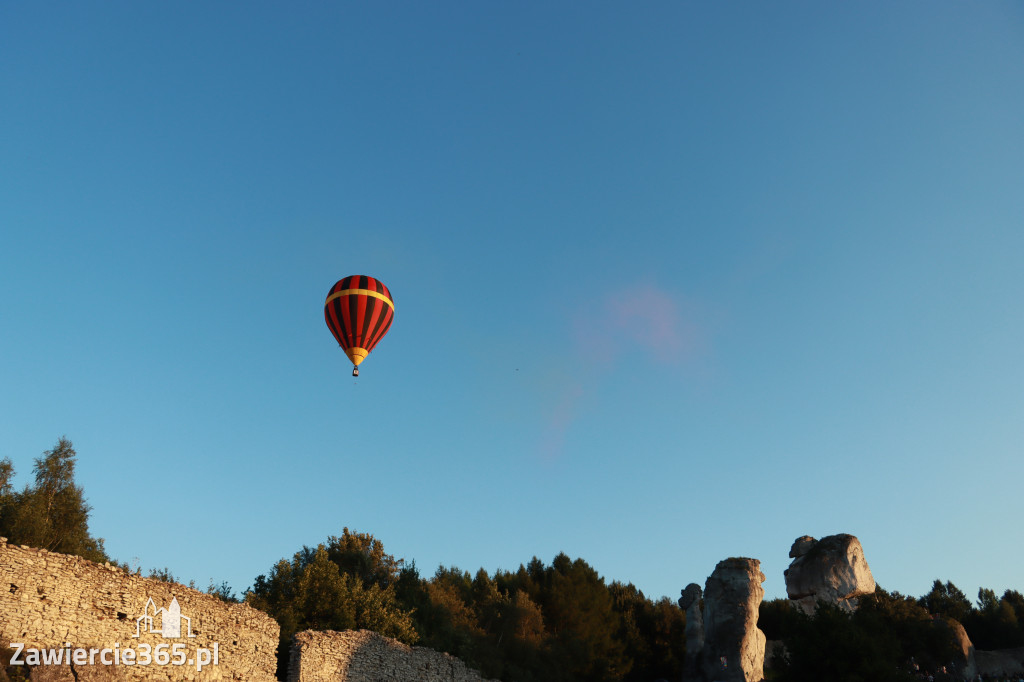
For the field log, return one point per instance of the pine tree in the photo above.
(51, 514)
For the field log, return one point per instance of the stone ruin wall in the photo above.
(365, 656)
(48, 600)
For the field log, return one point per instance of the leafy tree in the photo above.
(312, 593)
(579, 612)
(223, 592)
(522, 641)
(323, 596)
(995, 623)
(987, 600)
(378, 610)
(927, 640)
(363, 556)
(880, 641)
(947, 600)
(51, 514)
(447, 620)
(276, 595)
(6, 474)
(558, 623)
(1016, 601)
(7, 496)
(778, 618)
(489, 622)
(830, 646)
(653, 633)
(524, 620)
(162, 574)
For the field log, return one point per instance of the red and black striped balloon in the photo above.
(359, 311)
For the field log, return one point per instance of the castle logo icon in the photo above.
(170, 621)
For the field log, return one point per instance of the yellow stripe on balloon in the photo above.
(367, 292)
(356, 355)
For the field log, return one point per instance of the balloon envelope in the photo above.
(359, 311)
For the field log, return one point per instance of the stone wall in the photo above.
(1001, 663)
(63, 603)
(364, 656)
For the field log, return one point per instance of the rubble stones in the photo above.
(365, 656)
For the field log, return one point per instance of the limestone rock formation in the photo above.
(733, 646)
(801, 546)
(965, 661)
(831, 570)
(690, 602)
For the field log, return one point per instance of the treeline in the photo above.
(558, 622)
(562, 622)
(993, 623)
(891, 637)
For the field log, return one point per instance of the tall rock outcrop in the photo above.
(690, 602)
(831, 570)
(733, 646)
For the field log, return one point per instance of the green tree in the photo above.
(879, 642)
(522, 641)
(778, 618)
(52, 513)
(7, 496)
(653, 633)
(947, 600)
(223, 592)
(1016, 601)
(578, 609)
(162, 574)
(994, 624)
(830, 646)
(490, 623)
(927, 640)
(323, 596)
(448, 620)
(276, 595)
(987, 600)
(312, 593)
(363, 556)
(524, 620)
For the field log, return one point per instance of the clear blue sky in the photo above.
(673, 281)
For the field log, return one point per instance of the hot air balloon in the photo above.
(359, 311)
